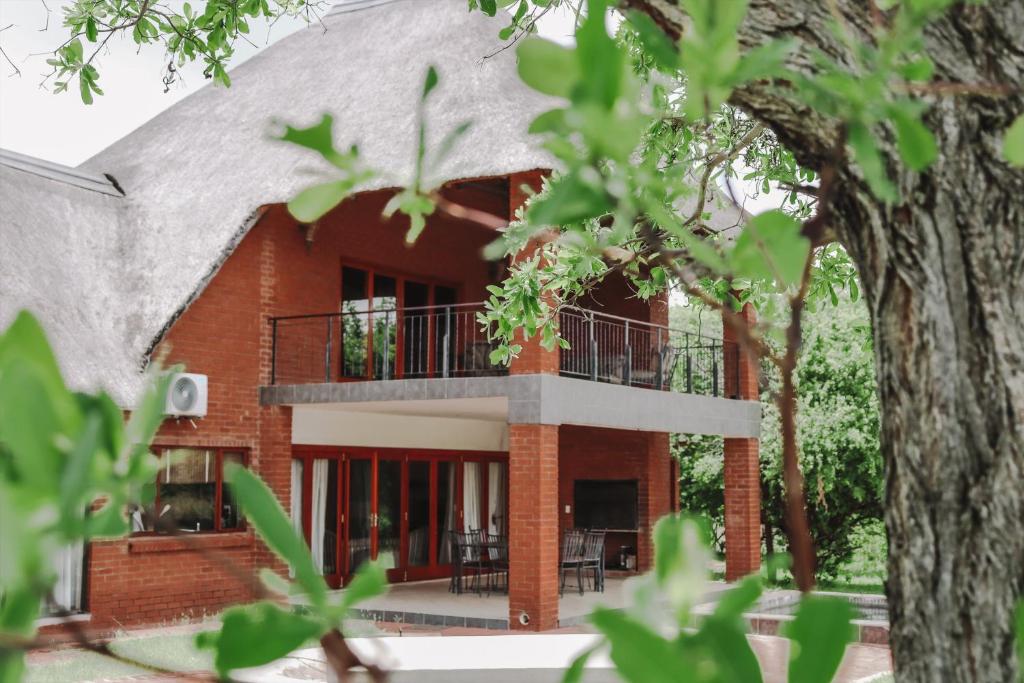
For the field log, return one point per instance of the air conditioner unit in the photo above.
(186, 396)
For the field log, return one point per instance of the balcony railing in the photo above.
(609, 348)
(412, 342)
(448, 341)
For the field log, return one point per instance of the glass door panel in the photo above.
(389, 513)
(360, 509)
(385, 326)
(444, 331)
(497, 512)
(415, 329)
(419, 513)
(472, 495)
(355, 322)
(446, 521)
(323, 537)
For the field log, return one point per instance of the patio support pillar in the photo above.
(654, 496)
(533, 358)
(533, 531)
(742, 466)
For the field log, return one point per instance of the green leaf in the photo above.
(639, 654)
(568, 200)
(256, 634)
(866, 154)
(1013, 142)
(574, 674)
(430, 82)
(264, 512)
(658, 45)
(84, 89)
(725, 640)
(312, 203)
(1020, 631)
(819, 634)
(548, 67)
(489, 7)
(600, 59)
(319, 138)
(915, 142)
(90, 30)
(771, 247)
(370, 580)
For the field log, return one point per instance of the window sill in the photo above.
(171, 544)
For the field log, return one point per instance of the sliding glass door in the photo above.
(394, 505)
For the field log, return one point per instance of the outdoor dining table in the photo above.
(488, 547)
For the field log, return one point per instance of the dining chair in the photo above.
(572, 558)
(593, 558)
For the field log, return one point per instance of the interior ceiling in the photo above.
(493, 409)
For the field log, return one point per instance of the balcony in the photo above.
(449, 342)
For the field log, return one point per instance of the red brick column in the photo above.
(654, 496)
(533, 359)
(274, 465)
(742, 468)
(533, 532)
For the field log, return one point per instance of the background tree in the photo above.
(837, 424)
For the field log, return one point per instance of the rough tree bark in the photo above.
(943, 276)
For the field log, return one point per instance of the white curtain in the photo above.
(319, 529)
(449, 518)
(296, 502)
(496, 498)
(471, 495)
(67, 593)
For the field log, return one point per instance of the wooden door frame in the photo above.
(346, 454)
(308, 454)
(400, 278)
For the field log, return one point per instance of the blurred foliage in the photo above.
(71, 467)
(657, 638)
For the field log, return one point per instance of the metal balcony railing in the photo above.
(609, 348)
(413, 342)
(448, 341)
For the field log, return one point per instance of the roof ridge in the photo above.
(87, 180)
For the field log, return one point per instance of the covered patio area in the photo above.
(430, 603)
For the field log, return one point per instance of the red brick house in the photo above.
(343, 366)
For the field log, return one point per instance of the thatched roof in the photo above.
(194, 175)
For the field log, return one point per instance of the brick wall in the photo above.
(225, 335)
(533, 358)
(150, 580)
(591, 453)
(742, 470)
(533, 531)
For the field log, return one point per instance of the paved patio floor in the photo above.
(429, 603)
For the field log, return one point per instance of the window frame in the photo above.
(400, 277)
(159, 450)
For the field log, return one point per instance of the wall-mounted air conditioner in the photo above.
(186, 396)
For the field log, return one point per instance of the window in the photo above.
(391, 326)
(190, 493)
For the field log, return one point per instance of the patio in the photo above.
(430, 603)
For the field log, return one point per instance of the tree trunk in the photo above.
(943, 276)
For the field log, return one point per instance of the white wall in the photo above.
(317, 426)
